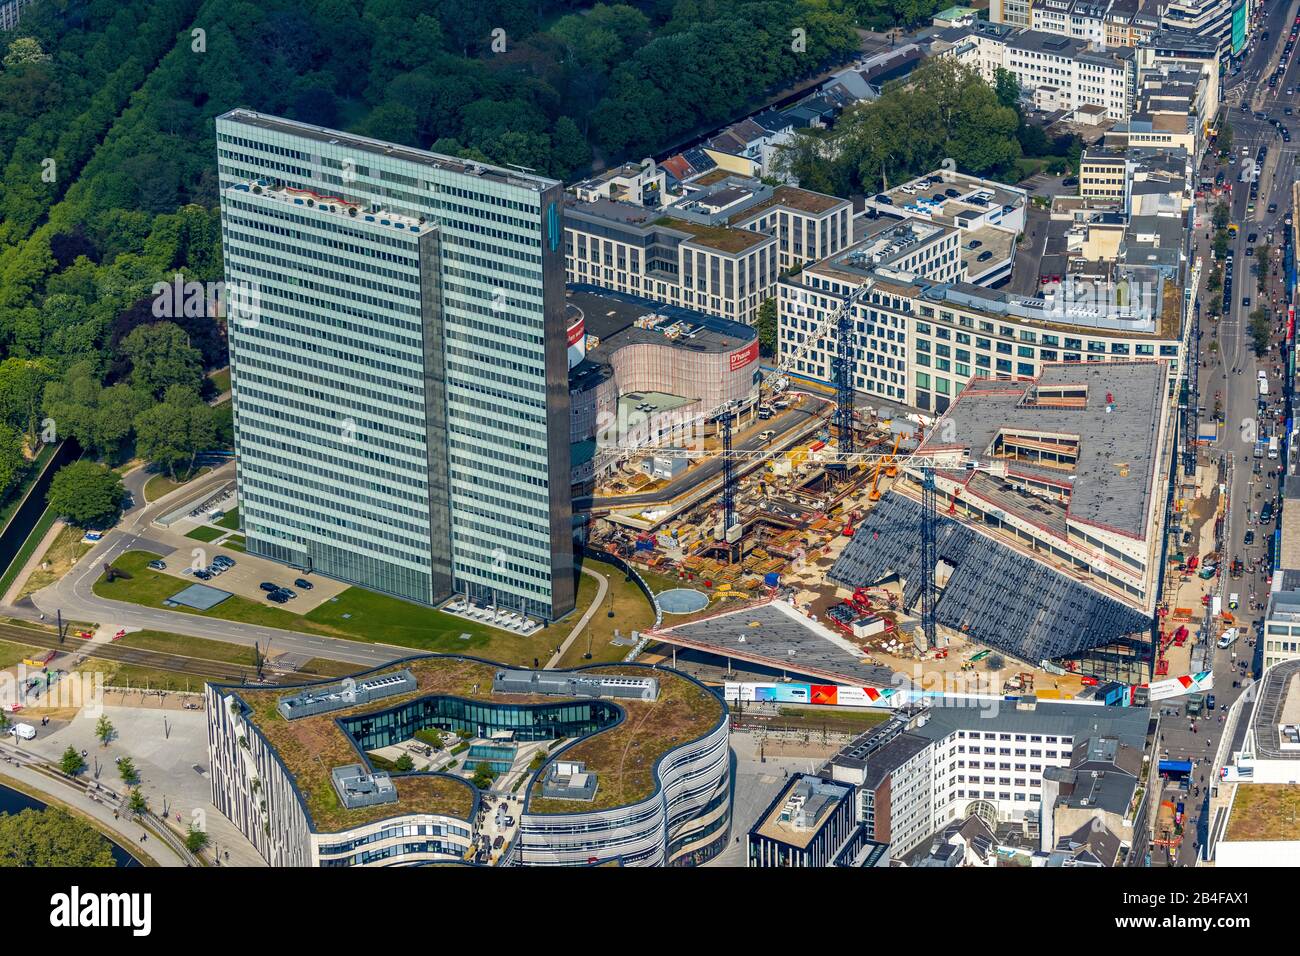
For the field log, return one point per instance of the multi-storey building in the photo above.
(927, 768)
(1211, 19)
(292, 769)
(1014, 13)
(1056, 70)
(919, 341)
(718, 248)
(11, 12)
(401, 387)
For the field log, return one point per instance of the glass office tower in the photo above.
(399, 365)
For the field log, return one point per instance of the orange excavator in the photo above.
(891, 469)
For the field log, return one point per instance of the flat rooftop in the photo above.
(775, 635)
(617, 320)
(791, 197)
(819, 797)
(1278, 703)
(378, 147)
(1113, 478)
(721, 238)
(312, 747)
(1264, 812)
(944, 194)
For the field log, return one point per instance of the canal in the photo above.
(15, 801)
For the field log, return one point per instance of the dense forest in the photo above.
(106, 142)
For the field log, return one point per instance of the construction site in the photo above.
(1039, 508)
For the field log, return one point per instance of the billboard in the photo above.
(742, 357)
(1238, 28)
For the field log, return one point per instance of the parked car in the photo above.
(1250, 537)
(157, 565)
(288, 593)
(203, 574)
(277, 597)
(268, 587)
(984, 257)
(303, 583)
(1069, 181)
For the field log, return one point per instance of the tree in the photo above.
(72, 763)
(404, 763)
(99, 418)
(172, 433)
(1222, 216)
(126, 768)
(766, 325)
(483, 776)
(51, 837)
(195, 839)
(1007, 88)
(161, 356)
(1260, 331)
(22, 386)
(25, 50)
(12, 460)
(137, 802)
(87, 494)
(104, 730)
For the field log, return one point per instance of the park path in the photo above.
(124, 830)
(33, 562)
(602, 585)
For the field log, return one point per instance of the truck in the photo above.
(1233, 600)
(24, 731)
(1272, 448)
(1260, 448)
(1228, 639)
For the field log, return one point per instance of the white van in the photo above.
(1229, 638)
(25, 731)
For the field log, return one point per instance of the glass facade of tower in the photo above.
(399, 368)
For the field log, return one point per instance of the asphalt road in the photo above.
(1239, 390)
(74, 597)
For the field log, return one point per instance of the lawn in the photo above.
(205, 532)
(190, 647)
(160, 485)
(221, 379)
(231, 520)
(632, 612)
(355, 615)
(43, 525)
(235, 543)
(11, 654)
(65, 551)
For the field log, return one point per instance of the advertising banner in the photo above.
(1238, 29)
(742, 357)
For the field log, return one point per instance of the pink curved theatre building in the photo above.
(643, 374)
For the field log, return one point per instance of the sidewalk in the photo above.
(33, 562)
(123, 830)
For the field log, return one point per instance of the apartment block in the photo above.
(1056, 71)
(401, 392)
(717, 246)
(925, 768)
